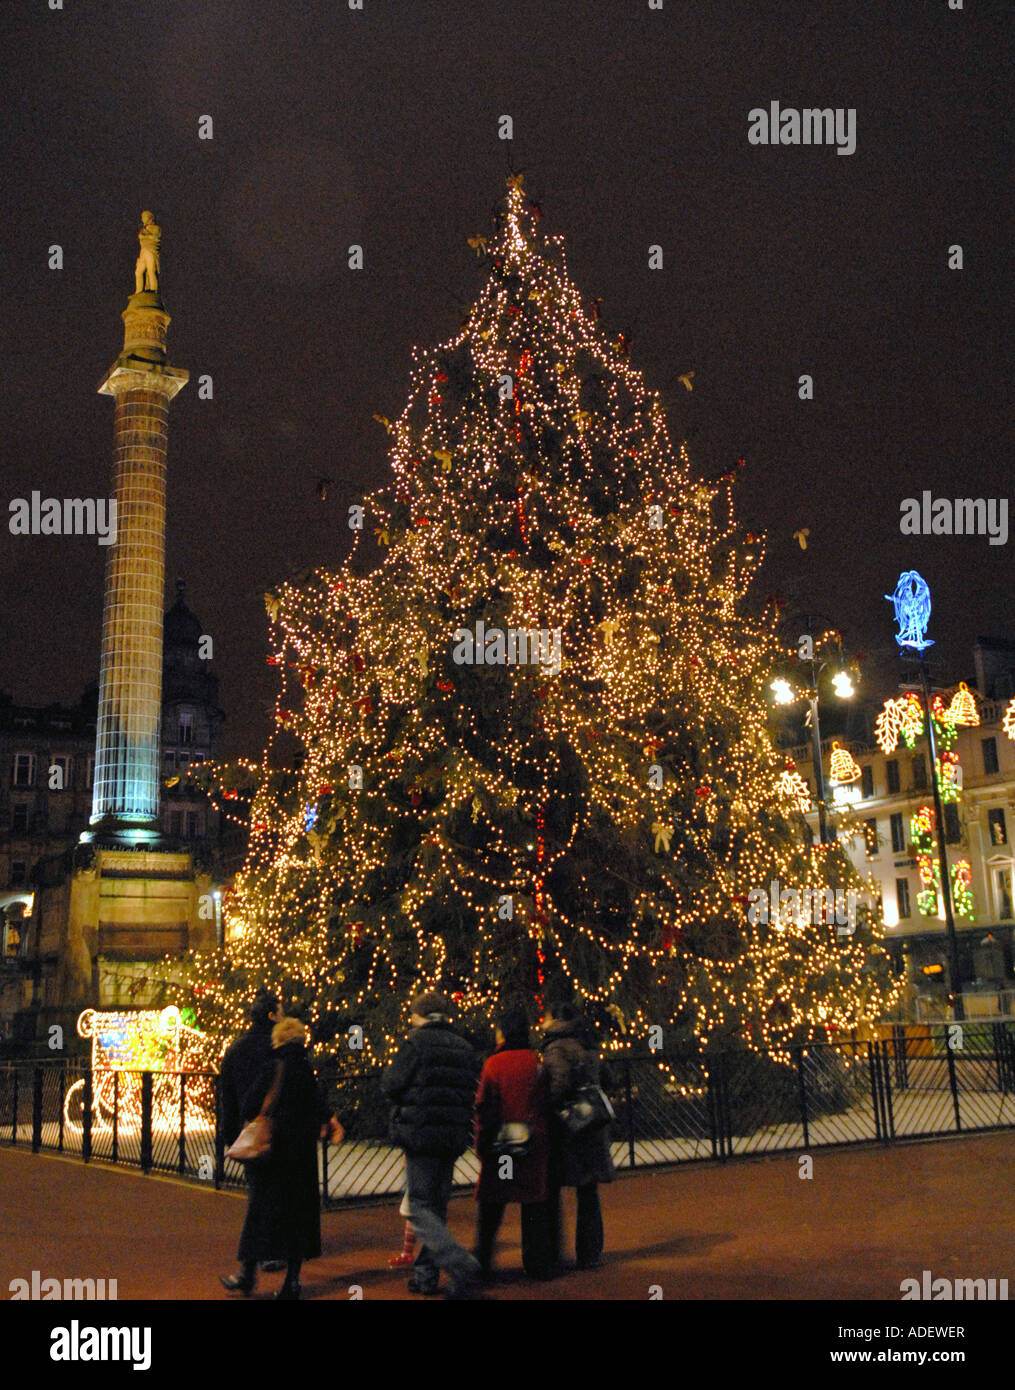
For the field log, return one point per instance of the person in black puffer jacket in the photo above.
(431, 1085)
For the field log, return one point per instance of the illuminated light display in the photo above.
(962, 888)
(911, 601)
(1008, 723)
(843, 685)
(783, 691)
(904, 717)
(962, 709)
(844, 767)
(127, 1043)
(790, 784)
(503, 826)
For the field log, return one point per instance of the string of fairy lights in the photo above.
(478, 824)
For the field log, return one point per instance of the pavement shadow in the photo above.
(681, 1245)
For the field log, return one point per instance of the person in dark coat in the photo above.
(513, 1090)
(431, 1085)
(244, 1060)
(580, 1161)
(242, 1063)
(284, 1212)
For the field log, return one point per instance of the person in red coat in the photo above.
(513, 1092)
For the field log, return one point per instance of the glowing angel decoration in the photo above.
(911, 600)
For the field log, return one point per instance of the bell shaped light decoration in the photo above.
(844, 768)
(962, 709)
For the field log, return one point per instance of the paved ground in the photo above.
(866, 1220)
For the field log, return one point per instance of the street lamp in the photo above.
(785, 694)
(912, 613)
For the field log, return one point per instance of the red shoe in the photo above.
(402, 1261)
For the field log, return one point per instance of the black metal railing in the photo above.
(917, 1081)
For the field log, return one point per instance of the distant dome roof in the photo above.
(180, 627)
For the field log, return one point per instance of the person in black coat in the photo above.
(284, 1212)
(431, 1085)
(244, 1060)
(580, 1161)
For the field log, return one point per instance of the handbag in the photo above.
(588, 1109)
(513, 1139)
(253, 1142)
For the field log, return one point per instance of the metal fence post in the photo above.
(146, 1121)
(724, 1118)
(801, 1054)
(1001, 1057)
(220, 1142)
(953, 1083)
(182, 1168)
(36, 1110)
(887, 1082)
(116, 1117)
(86, 1117)
(875, 1085)
(630, 1111)
(713, 1111)
(15, 1078)
(901, 1056)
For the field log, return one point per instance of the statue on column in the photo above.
(146, 271)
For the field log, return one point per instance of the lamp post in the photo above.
(912, 613)
(784, 695)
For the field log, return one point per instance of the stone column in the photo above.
(125, 799)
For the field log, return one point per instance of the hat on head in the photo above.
(288, 1030)
(430, 1003)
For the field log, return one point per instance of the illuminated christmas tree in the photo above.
(533, 756)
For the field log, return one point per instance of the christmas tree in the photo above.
(532, 754)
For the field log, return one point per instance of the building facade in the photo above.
(47, 770)
(882, 818)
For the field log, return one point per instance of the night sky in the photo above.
(379, 127)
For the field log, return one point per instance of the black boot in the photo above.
(243, 1282)
(292, 1287)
